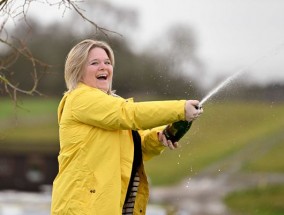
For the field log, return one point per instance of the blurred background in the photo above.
(230, 162)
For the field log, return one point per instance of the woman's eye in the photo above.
(94, 63)
(107, 63)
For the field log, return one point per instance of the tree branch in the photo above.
(9, 10)
(26, 53)
(98, 28)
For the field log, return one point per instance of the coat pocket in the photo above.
(82, 195)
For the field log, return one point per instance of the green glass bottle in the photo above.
(176, 130)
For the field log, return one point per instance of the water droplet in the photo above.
(187, 183)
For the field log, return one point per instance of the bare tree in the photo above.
(13, 48)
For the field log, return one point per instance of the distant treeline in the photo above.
(158, 71)
(147, 73)
(271, 93)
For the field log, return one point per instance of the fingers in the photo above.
(167, 143)
(176, 145)
(194, 102)
(192, 110)
(171, 145)
(198, 112)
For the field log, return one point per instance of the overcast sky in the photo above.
(231, 34)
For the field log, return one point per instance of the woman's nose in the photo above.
(102, 66)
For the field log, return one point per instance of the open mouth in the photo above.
(102, 77)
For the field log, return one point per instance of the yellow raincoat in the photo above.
(96, 150)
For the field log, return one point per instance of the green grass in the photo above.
(47, 132)
(27, 107)
(267, 200)
(223, 129)
(32, 121)
(272, 161)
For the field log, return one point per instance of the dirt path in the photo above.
(203, 194)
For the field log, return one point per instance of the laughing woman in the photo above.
(104, 139)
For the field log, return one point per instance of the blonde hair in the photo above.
(77, 59)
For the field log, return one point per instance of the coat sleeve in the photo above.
(93, 107)
(151, 146)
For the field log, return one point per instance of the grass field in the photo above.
(272, 161)
(29, 123)
(223, 129)
(28, 107)
(257, 201)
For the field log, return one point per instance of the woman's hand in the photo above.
(167, 143)
(192, 110)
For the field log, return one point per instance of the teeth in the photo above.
(102, 76)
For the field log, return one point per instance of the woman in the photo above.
(105, 138)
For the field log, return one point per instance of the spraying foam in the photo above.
(227, 81)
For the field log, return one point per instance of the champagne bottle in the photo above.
(176, 130)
